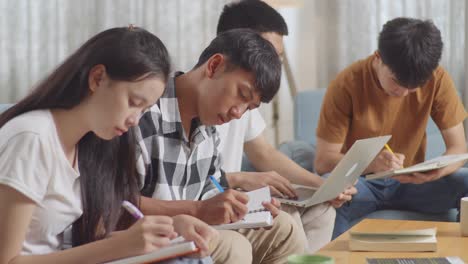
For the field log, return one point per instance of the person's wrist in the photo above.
(233, 180)
(119, 243)
(197, 209)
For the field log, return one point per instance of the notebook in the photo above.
(348, 170)
(417, 240)
(257, 216)
(178, 247)
(436, 260)
(428, 165)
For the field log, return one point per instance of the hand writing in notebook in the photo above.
(189, 228)
(229, 207)
(386, 160)
(226, 207)
(148, 234)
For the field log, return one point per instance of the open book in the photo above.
(178, 247)
(428, 165)
(394, 241)
(257, 216)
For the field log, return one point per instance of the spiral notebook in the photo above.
(257, 216)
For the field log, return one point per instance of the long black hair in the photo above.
(107, 167)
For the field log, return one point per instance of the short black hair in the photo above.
(411, 48)
(247, 50)
(254, 14)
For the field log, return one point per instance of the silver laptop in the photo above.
(348, 170)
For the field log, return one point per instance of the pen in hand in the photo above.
(132, 209)
(216, 183)
(135, 212)
(391, 151)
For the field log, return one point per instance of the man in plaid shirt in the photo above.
(178, 146)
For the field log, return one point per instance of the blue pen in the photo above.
(216, 183)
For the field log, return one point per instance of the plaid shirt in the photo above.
(171, 167)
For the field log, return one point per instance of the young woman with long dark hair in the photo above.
(67, 157)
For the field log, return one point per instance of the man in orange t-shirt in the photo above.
(394, 92)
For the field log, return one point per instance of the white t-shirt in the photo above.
(234, 134)
(32, 162)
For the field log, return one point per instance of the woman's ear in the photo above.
(96, 77)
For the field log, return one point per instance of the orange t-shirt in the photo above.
(356, 107)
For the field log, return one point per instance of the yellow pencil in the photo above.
(389, 149)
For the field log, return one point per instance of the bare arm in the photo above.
(265, 157)
(227, 207)
(17, 211)
(455, 143)
(327, 156)
(150, 206)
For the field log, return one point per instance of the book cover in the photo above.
(419, 240)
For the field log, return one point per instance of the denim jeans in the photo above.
(433, 197)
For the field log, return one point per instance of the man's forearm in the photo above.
(453, 167)
(150, 206)
(274, 160)
(325, 163)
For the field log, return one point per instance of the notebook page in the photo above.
(256, 198)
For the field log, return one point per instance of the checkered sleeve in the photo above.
(215, 168)
(145, 134)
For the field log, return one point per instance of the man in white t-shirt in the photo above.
(246, 134)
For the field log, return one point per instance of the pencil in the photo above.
(389, 149)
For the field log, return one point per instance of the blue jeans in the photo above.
(432, 197)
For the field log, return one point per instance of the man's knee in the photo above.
(322, 214)
(231, 247)
(287, 230)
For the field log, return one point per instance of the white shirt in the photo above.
(33, 163)
(234, 134)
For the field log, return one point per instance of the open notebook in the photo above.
(257, 216)
(394, 241)
(428, 165)
(178, 247)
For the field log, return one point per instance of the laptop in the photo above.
(348, 170)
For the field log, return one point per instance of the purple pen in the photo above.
(132, 209)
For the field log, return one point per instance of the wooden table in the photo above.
(449, 241)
